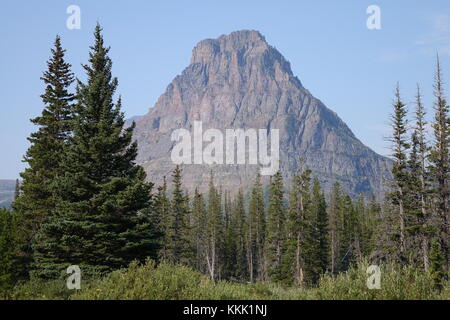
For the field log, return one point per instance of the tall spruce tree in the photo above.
(415, 218)
(228, 258)
(198, 228)
(306, 226)
(161, 210)
(256, 232)
(240, 228)
(35, 199)
(214, 231)
(299, 204)
(420, 179)
(98, 222)
(316, 239)
(347, 235)
(292, 233)
(319, 208)
(440, 162)
(399, 169)
(275, 236)
(155, 215)
(178, 246)
(336, 223)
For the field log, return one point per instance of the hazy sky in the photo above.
(352, 69)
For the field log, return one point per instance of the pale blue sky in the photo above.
(353, 70)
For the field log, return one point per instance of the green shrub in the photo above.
(397, 283)
(174, 282)
(41, 290)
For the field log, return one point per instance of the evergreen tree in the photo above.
(386, 234)
(98, 222)
(299, 204)
(199, 230)
(214, 231)
(399, 169)
(228, 249)
(161, 211)
(239, 227)
(189, 235)
(359, 224)
(419, 185)
(319, 209)
(413, 201)
(440, 161)
(369, 225)
(316, 240)
(256, 232)
(347, 250)
(336, 224)
(437, 261)
(292, 234)
(178, 246)
(35, 200)
(155, 215)
(8, 252)
(275, 228)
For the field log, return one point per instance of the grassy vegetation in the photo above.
(166, 281)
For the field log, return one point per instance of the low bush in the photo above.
(174, 282)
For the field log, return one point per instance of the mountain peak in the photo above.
(239, 55)
(244, 37)
(239, 81)
(237, 42)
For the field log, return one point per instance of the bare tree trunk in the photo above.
(251, 267)
(402, 221)
(211, 260)
(298, 267)
(250, 257)
(208, 264)
(426, 262)
(332, 252)
(301, 277)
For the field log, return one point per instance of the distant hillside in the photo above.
(6, 192)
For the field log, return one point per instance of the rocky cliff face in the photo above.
(240, 81)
